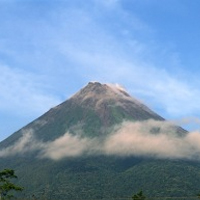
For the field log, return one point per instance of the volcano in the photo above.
(98, 145)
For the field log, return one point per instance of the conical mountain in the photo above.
(94, 110)
(71, 152)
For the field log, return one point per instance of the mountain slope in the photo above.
(84, 125)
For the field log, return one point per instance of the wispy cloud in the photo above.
(25, 144)
(130, 139)
(96, 47)
(22, 90)
(66, 146)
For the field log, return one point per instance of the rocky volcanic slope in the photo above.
(94, 112)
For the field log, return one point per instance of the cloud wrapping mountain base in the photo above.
(129, 139)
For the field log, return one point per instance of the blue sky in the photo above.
(49, 49)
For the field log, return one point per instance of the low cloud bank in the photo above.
(130, 139)
(65, 146)
(137, 139)
(25, 144)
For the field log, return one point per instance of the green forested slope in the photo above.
(106, 177)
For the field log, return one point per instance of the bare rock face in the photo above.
(100, 97)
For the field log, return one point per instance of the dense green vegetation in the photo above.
(106, 177)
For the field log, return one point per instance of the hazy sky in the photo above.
(49, 49)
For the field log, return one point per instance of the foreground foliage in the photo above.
(139, 196)
(6, 186)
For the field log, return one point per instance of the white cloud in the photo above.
(130, 139)
(25, 144)
(136, 139)
(65, 146)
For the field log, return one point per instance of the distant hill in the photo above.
(101, 144)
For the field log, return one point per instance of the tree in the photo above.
(5, 185)
(139, 196)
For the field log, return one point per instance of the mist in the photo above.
(137, 139)
(128, 139)
(25, 144)
(66, 146)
